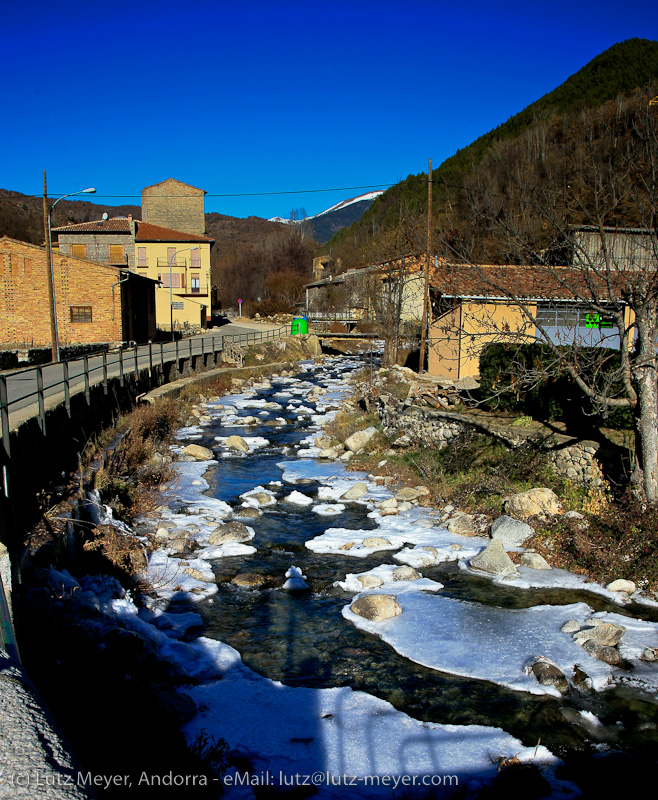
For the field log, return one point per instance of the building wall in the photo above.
(194, 313)
(157, 269)
(483, 323)
(24, 314)
(98, 246)
(176, 205)
(443, 345)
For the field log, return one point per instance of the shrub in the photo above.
(503, 367)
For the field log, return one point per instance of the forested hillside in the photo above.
(626, 69)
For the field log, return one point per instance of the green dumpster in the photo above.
(299, 326)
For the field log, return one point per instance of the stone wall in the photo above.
(572, 458)
(98, 246)
(176, 205)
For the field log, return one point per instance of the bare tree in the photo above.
(579, 218)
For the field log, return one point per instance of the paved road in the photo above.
(22, 385)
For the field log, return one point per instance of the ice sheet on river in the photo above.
(484, 642)
(343, 732)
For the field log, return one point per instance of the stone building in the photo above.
(173, 204)
(168, 245)
(95, 303)
(107, 241)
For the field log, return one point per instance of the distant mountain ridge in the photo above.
(328, 222)
(617, 72)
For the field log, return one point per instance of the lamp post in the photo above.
(171, 291)
(47, 214)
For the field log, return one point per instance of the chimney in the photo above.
(130, 217)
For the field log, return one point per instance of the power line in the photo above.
(237, 194)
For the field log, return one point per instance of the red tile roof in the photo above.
(146, 232)
(528, 282)
(97, 226)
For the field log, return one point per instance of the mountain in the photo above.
(325, 224)
(617, 72)
(21, 216)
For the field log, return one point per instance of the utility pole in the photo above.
(426, 291)
(51, 277)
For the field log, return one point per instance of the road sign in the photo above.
(239, 300)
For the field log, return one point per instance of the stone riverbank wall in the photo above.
(575, 459)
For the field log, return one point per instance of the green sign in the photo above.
(596, 321)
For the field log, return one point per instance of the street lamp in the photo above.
(54, 337)
(171, 291)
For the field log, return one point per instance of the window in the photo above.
(80, 313)
(175, 280)
(79, 250)
(195, 258)
(171, 256)
(117, 255)
(14, 264)
(141, 257)
(196, 283)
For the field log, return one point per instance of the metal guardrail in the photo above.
(80, 374)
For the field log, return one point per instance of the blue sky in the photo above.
(253, 98)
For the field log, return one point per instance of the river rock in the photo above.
(493, 560)
(407, 494)
(469, 524)
(603, 652)
(249, 580)
(389, 503)
(534, 561)
(197, 452)
(406, 573)
(237, 443)
(230, 532)
(571, 626)
(355, 492)
(511, 532)
(376, 541)
(324, 442)
(549, 674)
(198, 575)
(607, 633)
(249, 513)
(370, 581)
(262, 498)
(533, 503)
(357, 441)
(376, 607)
(622, 585)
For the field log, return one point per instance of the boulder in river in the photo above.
(355, 492)
(469, 524)
(549, 674)
(237, 443)
(230, 532)
(197, 452)
(493, 560)
(376, 541)
(357, 441)
(511, 532)
(376, 607)
(534, 561)
(539, 502)
(607, 633)
(405, 573)
(621, 585)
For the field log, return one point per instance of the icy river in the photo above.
(307, 692)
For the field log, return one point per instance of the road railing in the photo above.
(65, 378)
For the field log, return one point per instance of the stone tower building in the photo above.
(176, 205)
